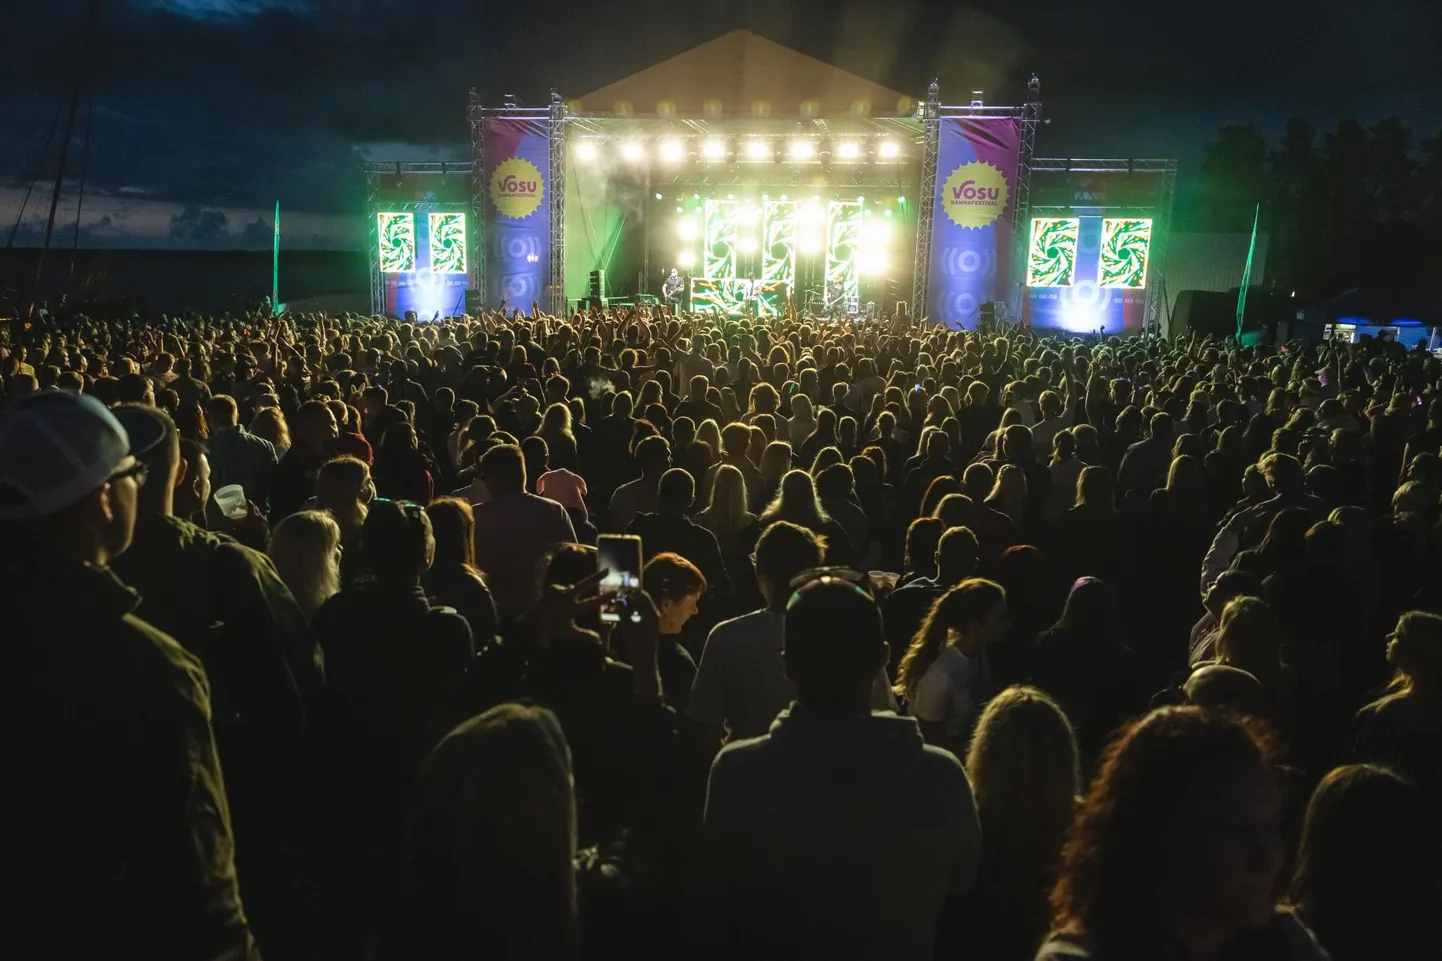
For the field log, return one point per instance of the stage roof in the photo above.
(742, 75)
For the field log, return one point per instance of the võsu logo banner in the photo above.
(516, 188)
(974, 195)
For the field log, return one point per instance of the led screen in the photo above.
(448, 243)
(1051, 256)
(397, 240)
(1124, 249)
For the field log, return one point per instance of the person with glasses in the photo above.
(115, 827)
(840, 832)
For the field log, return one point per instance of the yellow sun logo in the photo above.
(516, 188)
(974, 195)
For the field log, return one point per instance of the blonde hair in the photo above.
(1026, 775)
(726, 514)
(304, 549)
(269, 423)
(340, 488)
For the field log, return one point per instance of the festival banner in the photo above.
(972, 216)
(518, 211)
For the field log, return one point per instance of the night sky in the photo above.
(207, 111)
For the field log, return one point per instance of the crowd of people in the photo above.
(994, 644)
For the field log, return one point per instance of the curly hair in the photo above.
(1151, 766)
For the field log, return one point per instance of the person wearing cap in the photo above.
(840, 832)
(114, 822)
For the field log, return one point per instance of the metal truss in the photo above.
(926, 199)
(556, 131)
(478, 196)
(1021, 228)
(378, 293)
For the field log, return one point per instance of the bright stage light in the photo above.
(633, 151)
(748, 214)
(686, 259)
(875, 235)
(848, 150)
(889, 150)
(809, 243)
(801, 150)
(871, 262)
(747, 245)
(714, 150)
(687, 229)
(758, 150)
(672, 151)
(812, 215)
(658, 197)
(586, 150)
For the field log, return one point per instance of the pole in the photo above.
(1247, 274)
(275, 265)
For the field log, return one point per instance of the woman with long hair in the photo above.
(344, 489)
(798, 503)
(1025, 775)
(453, 579)
(555, 430)
(826, 457)
(488, 858)
(1065, 468)
(306, 551)
(1284, 546)
(918, 560)
(824, 435)
(1366, 879)
(710, 434)
(1082, 661)
(775, 462)
(1403, 728)
(763, 400)
(1177, 847)
(945, 675)
(269, 424)
(676, 586)
(939, 489)
(402, 472)
(726, 515)
(1008, 494)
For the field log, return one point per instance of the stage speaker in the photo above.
(475, 302)
(598, 286)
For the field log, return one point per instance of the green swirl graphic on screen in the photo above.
(1051, 260)
(1125, 245)
(448, 243)
(397, 240)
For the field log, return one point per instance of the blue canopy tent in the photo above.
(1408, 315)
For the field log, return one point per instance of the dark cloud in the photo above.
(257, 233)
(239, 103)
(199, 227)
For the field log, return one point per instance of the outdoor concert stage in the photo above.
(765, 177)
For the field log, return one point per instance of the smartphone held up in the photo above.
(619, 555)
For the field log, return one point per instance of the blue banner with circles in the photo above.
(518, 211)
(972, 216)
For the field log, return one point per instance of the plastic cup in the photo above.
(883, 580)
(231, 501)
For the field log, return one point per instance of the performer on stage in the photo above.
(671, 289)
(835, 301)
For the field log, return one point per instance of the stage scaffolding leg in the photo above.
(557, 130)
(1161, 233)
(1021, 220)
(378, 293)
(478, 201)
(926, 199)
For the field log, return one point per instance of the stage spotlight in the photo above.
(680, 210)
(714, 150)
(887, 211)
(658, 196)
(748, 214)
(758, 150)
(801, 150)
(875, 235)
(586, 150)
(687, 229)
(871, 262)
(672, 151)
(747, 245)
(809, 243)
(633, 151)
(686, 259)
(889, 150)
(813, 215)
(848, 150)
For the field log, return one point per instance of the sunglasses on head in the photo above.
(411, 508)
(815, 577)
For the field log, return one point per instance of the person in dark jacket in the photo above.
(115, 836)
(395, 676)
(669, 530)
(313, 430)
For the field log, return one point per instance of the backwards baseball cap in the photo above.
(58, 446)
